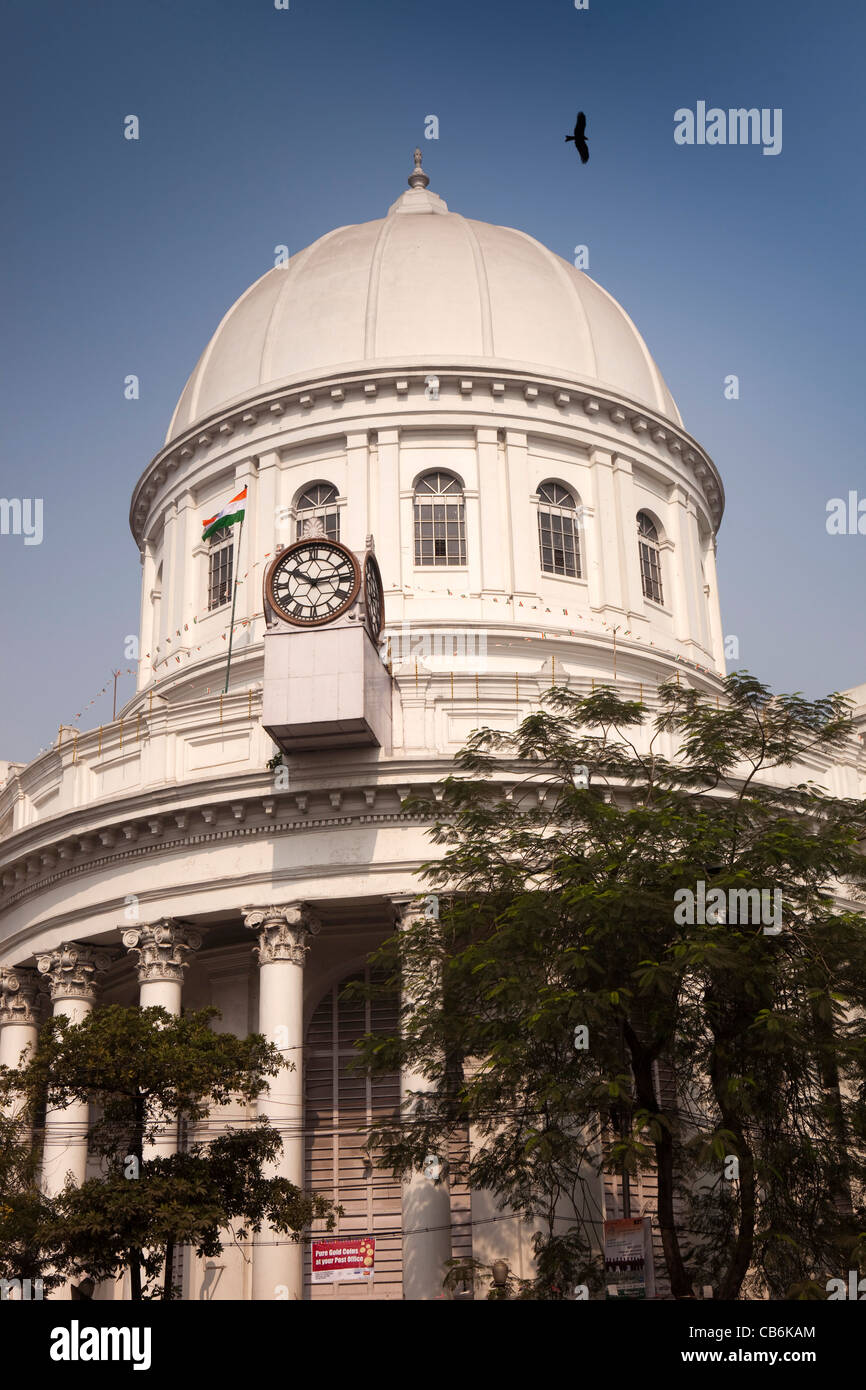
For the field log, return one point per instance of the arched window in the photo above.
(319, 501)
(558, 536)
(650, 558)
(440, 525)
(220, 569)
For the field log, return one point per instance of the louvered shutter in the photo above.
(644, 1191)
(339, 1110)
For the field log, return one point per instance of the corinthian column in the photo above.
(162, 949)
(20, 1005)
(284, 935)
(71, 972)
(426, 1198)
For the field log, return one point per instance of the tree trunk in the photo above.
(829, 1073)
(741, 1256)
(169, 1261)
(645, 1092)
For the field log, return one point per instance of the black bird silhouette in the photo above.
(579, 137)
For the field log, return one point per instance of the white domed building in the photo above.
(490, 421)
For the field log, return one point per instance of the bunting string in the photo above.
(559, 611)
(109, 685)
(181, 646)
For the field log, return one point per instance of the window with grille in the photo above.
(319, 501)
(558, 537)
(220, 569)
(650, 558)
(440, 524)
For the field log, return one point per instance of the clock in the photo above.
(312, 581)
(373, 604)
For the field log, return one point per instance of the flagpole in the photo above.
(234, 601)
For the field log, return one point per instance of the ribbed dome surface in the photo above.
(421, 287)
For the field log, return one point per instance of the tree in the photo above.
(25, 1211)
(141, 1069)
(191, 1198)
(566, 966)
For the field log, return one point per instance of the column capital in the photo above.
(284, 931)
(21, 994)
(71, 970)
(162, 948)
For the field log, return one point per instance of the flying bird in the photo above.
(579, 137)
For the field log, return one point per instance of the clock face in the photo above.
(312, 581)
(373, 602)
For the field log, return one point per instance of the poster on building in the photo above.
(343, 1259)
(629, 1271)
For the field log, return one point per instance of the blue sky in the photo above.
(261, 127)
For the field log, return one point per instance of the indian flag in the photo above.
(233, 511)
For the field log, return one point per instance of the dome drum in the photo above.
(273, 419)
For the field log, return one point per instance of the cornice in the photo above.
(313, 809)
(137, 722)
(241, 819)
(165, 817)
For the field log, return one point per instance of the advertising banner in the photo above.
(343, 1258)
(628, 1258)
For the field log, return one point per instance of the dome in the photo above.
(427, 287)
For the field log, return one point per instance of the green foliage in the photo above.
(140, 1070)
(195, 1198)
(139, 1067)
(557, 911)
(24, 1209)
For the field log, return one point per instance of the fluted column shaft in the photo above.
(284, 935)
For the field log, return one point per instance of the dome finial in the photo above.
(417, 178)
